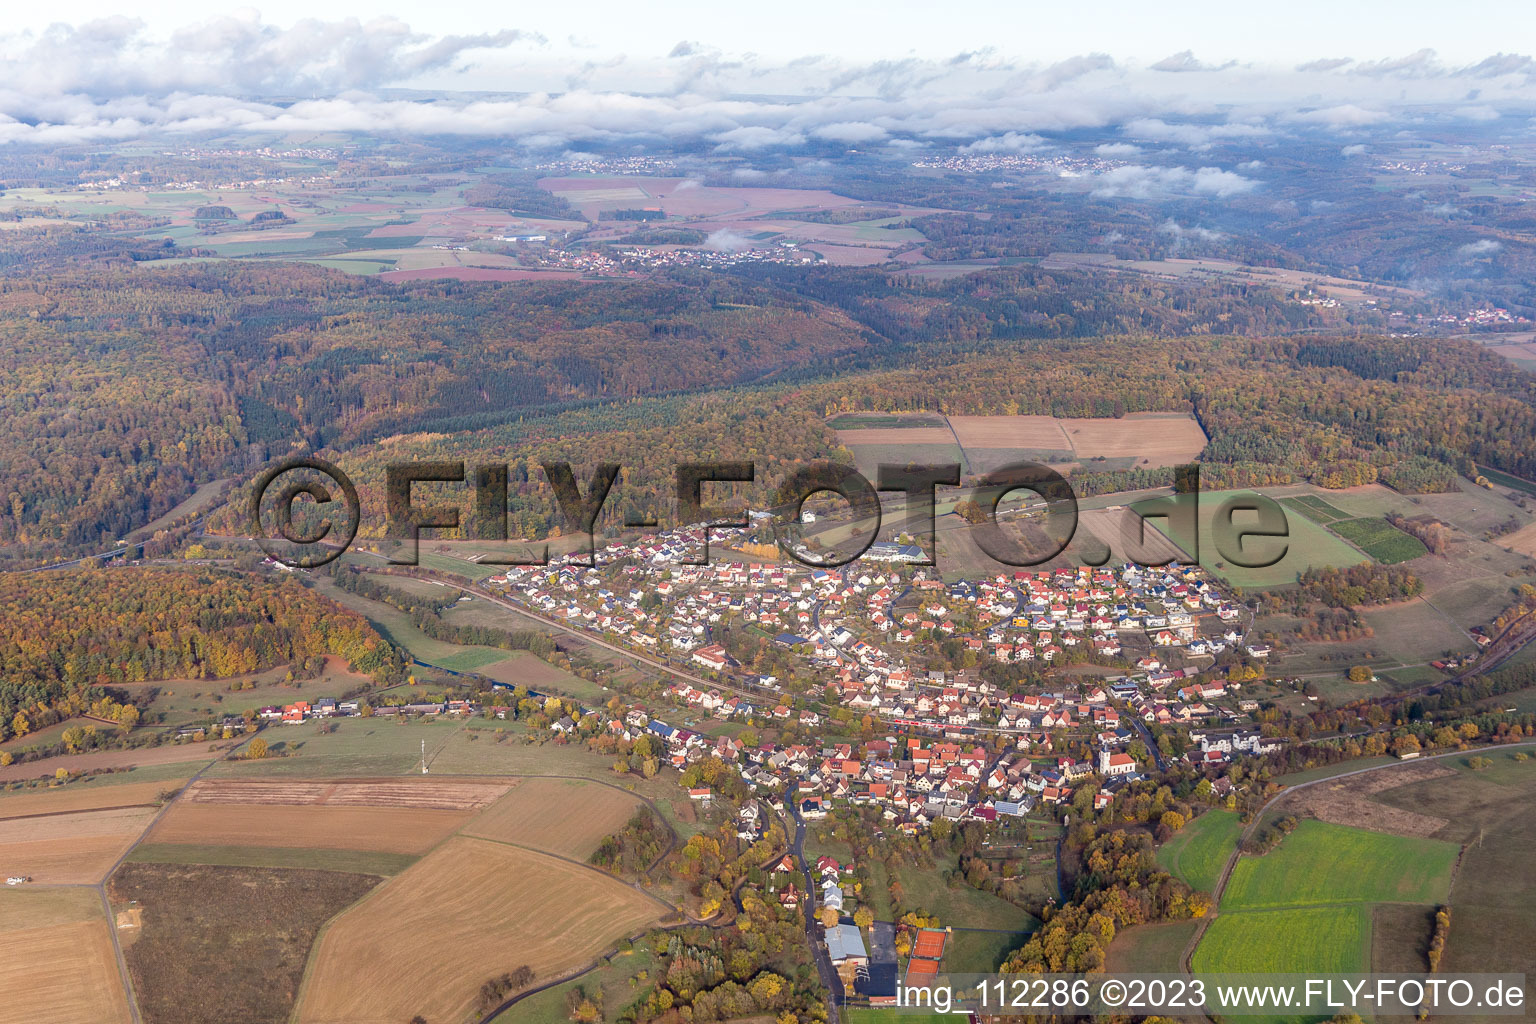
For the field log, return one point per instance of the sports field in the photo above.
(1320, 863)
(1198, 853)
(425, 941)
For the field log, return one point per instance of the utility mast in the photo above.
(423, 757)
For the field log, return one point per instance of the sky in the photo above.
(987, 77)
(1128, 30)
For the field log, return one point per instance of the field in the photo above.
(1314, 508)
(61, 974)
(984, 443)
(216, 940)
(1320, 863)
(980, 952)
(85, 795)
(481, 908)
(389, 830)
(567, 817)
(1521, 542)
(1492, 928)
(1349, 801)
(387, 817)
(1198, 853)
(358, 747)
(190, 755)
(76, 847)
(1150, 948)
(960, 906)
(1380, 539)
(361, 862)
(1308, 545)
(1311, 940)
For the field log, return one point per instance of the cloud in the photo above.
(1116, 149)
(1139, 182)
(854, 132)
(726, 240)
(113, 78)
(1355, 150)
(1185, 61)
(1184, 237)
(1481, 247)
(1012, 142)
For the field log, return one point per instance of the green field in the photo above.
(1380, 539)
(976, 952)
(1315, 940)
(359, 746)
(1150, 948)
(961, 906)
(1308, 546)
(1314, 508)
(1320, 863)
(1513, 482)
(1198, 853)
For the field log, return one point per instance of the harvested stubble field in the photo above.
(74, 848)
(427, 940)
(1041, 432)
(61, 974)
(568, 817)
(1152, 439)
(226, 943)
(83, 796)
(384, 829)
(434, 794)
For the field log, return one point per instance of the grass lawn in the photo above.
(1316, 940)
(1380, 539)
(1320, 863)
(980, 952)
(1198, 853)
(1150, 948)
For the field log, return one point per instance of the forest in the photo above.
(131, 384)
(65, 636)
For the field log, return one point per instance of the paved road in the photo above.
(829, 978)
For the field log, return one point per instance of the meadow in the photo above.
(1320, 863)
(1197, 854)
(959, 905)
(1315, 940)
(1306, 546)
